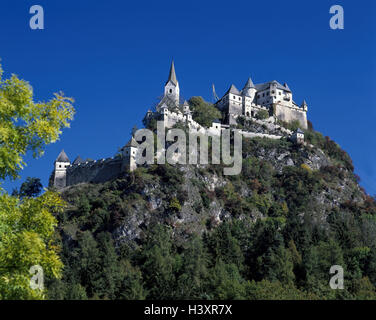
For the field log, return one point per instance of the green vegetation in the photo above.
(262, 115)
(286, 254)
(27, 225)
(203, 112)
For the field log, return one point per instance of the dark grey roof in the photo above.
(266, 85)
(233, 90)
(172, 75)
(299, 131)
(78, 160)
(62, 157)
(132, 143)
(216, 121)
(249, 84)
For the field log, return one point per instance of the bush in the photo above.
(262, 115)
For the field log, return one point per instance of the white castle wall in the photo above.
(289, 114)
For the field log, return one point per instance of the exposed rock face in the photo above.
(197, 198)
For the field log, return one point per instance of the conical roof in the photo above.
(62, 157)
(172, 75)
(132, 143)
(78, 160)
(233, 90)
(249, 84)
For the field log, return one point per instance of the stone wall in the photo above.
(288, 114)
(94, 171)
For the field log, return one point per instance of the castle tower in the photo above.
(172, 90)
(248, 94)
(129, 154)
(61, 163)
(249, 89)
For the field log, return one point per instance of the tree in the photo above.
(32, 187)
(26, 239)
(203, 112)
(159, 263)
(27, 225)
(262, 115)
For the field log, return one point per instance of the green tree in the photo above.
(193, 279)
(203, 112)
(262, 115)
(159, 263)
(27, 225)
(32, 187)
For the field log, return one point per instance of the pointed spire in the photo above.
(62, 157)
(304, 103)
(286, 86)
(249, 84)
(78, 160)
(132, 143)
(172, 76)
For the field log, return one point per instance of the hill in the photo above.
(272, 232)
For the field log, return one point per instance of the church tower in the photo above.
(172, 90)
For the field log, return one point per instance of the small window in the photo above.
(59, 165)
(170, 90)
(240, 98)
(263, 94)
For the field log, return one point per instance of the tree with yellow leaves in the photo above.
(27, 225)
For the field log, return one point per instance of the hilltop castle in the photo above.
(273, 98)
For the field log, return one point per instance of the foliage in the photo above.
(262, 115)
(32, 187)
(27, 125)
(27, 239)
(203, 112)
(270, 233)
(27, 225)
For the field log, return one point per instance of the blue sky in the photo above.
(113, 57)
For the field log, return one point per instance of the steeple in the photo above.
(172, 76)
(172, 90)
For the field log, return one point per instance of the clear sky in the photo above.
(113, 57)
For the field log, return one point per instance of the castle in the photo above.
(271, 98)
